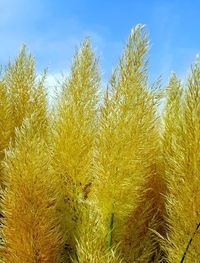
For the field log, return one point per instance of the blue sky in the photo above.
(51, 29)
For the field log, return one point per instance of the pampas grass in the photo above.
(100, 179)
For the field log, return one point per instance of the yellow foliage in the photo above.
(73, 136)
(127, 146)
(5, 122)
(91, 238)
(182, 166)
(31, 230)
(20, 96)
(26, 94)
(112, 181)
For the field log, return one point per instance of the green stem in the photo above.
(76, 257)
(189, 243)
(110, 238)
